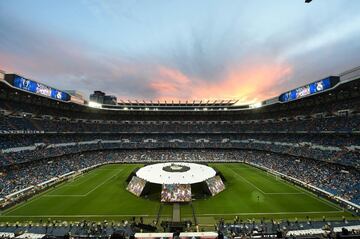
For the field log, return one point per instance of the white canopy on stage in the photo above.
(196, 173)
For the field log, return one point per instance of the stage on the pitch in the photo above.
(178, 182)
(176, 173)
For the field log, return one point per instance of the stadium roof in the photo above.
(28, 86)
(192, 103)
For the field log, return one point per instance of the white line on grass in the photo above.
(298, 188)
(268, 213)
(323, 200)
(81, 180)
(31, 200)
(253, 185)
(80, 216)
(86, 194)
(117, 172)
(104, 169)
(305, 191)
(41, 195)
(77, 180)
(250, 183)
(146, 215)
(284, 193)
(64, 195)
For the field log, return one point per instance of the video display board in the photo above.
(176, 193)
(38, 88)
(136, 186)
(215, 185)
(310, 89)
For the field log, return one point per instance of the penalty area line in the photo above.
(90, 191)
(263, 192)
(302, 189)
(247, 181)
(47, 193)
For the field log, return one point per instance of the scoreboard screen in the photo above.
(310, 89)
(38, 88)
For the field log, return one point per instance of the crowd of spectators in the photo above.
(23, 140)
(339, 180)
(307, 124)
(338, 148)
(331, 137)
(311, 138)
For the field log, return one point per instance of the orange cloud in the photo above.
(170, 84)
(248, 84)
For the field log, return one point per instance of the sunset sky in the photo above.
(249, 50)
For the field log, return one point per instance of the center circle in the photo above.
(174, 168)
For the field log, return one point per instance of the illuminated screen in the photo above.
(38, 88)
(310, 89)
(136, 186)
(215, 185)
(176, 193)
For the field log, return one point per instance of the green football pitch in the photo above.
(101, 195)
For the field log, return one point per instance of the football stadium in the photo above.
(97, 165)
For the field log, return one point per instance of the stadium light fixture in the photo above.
(255, 105)
(95, 105)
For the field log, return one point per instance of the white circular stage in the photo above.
(176, 173)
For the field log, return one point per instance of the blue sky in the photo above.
(150, 49)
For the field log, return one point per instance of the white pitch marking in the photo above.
(219, 214)
(64, 195)
(97, 215)
(41, 195)
(86, 194)
(22, 204)
(285, 193)
(92, 190)
(268, 213)
(250, 183)
(307, 192)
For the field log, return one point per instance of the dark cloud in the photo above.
(205, 61)
(69, 65)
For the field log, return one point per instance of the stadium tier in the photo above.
(307, 138)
